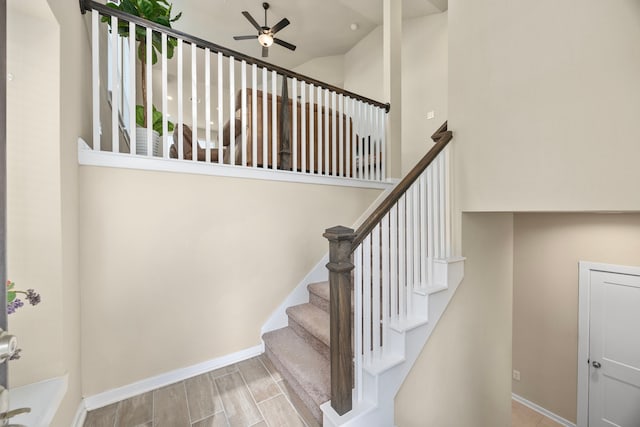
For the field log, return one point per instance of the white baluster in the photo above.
(383, 144)
(394, 261)
(254, 115)
(430, 224)
(95, 78)
(207, 103)
(423, 230)
(274, 120)
(385, 281)
(115, 87)
(327, 136)
(366, 298)
(320, 128)
(415, 188)
(334, 139)
(375, 291)
(360, 140)
(447, 201)
(165, 107)
(357, 327)
(304, 108)
(180, 103)
(149, 61)
(409, 250)
(312, 150)
(402, 266)
(194, 103)
(341, 141)
(442, 204)
(294, 118)
(265, 116)
(378, 143)
(132, 90)
(243, 102)
(232, 112)
(220, 108)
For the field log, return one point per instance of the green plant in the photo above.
(158, 11)
(156, 119)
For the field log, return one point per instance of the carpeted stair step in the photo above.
(311, 323)
(306, 371)
(319, 295)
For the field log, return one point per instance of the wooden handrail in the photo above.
(441, 137)
(87, 5)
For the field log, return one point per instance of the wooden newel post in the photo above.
(340, 266)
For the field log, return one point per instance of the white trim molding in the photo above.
(539, 409)
(584, 302)
(89, 157)
(121, 393)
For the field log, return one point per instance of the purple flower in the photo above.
(14, 305)
(33, 297)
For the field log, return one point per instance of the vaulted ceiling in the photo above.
(318, 28)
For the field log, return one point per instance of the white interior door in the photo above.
(614, 350)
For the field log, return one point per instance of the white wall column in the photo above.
(392, 69)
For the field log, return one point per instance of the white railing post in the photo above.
(95, 77)
(149, 100)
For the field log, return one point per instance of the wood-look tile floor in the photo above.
(523, 416)
(248, 394)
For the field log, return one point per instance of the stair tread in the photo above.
(322, 290)
(313, 319)
(308, 367)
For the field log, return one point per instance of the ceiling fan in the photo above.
(266, 33)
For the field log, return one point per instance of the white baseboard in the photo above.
(81, 415)
(121, 393)
(541, 410)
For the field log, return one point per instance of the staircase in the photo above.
(300, 351)
(404, 275)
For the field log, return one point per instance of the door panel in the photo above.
(614, 350)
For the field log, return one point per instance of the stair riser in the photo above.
(303, 398)
(319, 302)
(316, 343)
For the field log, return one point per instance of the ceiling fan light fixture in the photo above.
(265, 39)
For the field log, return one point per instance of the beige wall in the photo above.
(424, 79)
(544, 103)
(33, 188)
(328, 69)
(547, 248)
(462, 377)
(178, 269)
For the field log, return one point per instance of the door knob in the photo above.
(596, 365)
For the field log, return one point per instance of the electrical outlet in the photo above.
(516, 375)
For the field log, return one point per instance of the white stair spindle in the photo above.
(334, 140)
(366, 298)
(354, 139)
(423, 230)
(207, 103)
(304, 108)
(375, 291)
(402, 266)
(132, 90)
(165, 107)
(194, 103)
(220, 108)
(341, 159)
(378, 145)
(265, 118)
(243, 103)
(430, 224)
(180, 103)
(149, 100)
(320, 128)
(385, 281)
(357, 327)
(394, 261)
(294, 118)
(441, 203)
(327, 135)
(436, 210)
(232, 112)
(360, 141)
(312, 151)
(447, 201)
(115, 87)
(254, 115)
(409, 250)
(274, 120)
(416, 235)
(95, 78)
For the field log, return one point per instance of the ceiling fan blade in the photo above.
(265, 52)
(284, 44)
(280, 25)
(244, 37)
(253, 21)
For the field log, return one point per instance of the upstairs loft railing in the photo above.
(229, 109)
(394, 254)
